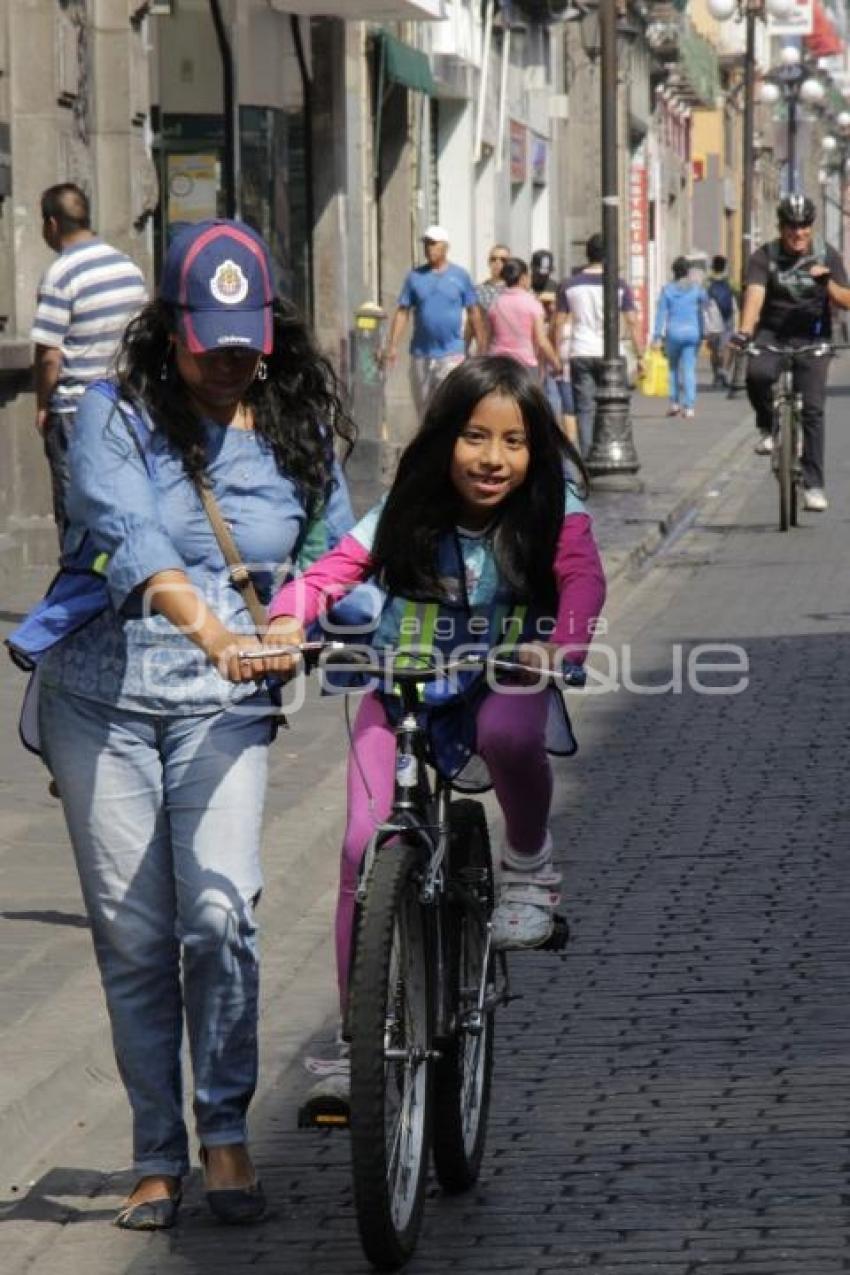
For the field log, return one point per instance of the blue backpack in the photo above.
(76, 595)
(720, 291)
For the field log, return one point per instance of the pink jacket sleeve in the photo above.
(330, 578)
(581, 586)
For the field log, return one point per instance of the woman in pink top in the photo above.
(517, 321)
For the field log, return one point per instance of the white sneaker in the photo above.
(524, 915)
(814, 499)
(764, 446)
(332, 1089)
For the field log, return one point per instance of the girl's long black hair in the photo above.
(422, 503)
(298, 409)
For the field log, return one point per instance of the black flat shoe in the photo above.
(150, 1215)
(238, 1206)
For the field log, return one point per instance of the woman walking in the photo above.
(679, 330)
(155, 730)
(517, 320)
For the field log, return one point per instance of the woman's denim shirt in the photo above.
(145, 514)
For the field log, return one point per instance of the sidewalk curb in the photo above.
(724, 453)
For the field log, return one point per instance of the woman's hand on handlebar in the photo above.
(284, 631)
(226, 649)
(224, 654)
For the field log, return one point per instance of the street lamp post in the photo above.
(748, 11)
(612, 450)
(748, 147)
(836, 151)
(843, 122)
(795, 83)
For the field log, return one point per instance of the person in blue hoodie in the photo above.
(679, 330)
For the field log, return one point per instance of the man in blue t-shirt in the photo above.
(439, 294)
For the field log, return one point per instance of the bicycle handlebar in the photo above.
(347, 659)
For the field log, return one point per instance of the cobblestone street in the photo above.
(670, 1095)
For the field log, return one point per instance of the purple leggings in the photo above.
(511, 739)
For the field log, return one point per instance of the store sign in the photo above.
(193, 182)
(800, 21)
(519, 153)
(639, 238)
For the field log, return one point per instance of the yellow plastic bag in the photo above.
(655, 381)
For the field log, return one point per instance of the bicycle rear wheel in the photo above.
(389, 1020)
(785, 462)
(463, 1074)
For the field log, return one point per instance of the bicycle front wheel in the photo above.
(463, 1074)
(785, 462)
(389, 1020)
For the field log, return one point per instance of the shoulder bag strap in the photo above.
(239, 573)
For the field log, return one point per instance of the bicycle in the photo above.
(788, 425)
(425, 980)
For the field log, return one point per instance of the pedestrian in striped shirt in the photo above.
(85, 301)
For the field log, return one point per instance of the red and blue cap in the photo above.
(218, 276)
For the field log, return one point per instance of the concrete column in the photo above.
(492, 222)
(330, 143)
(74, 91)
(125, 182)
(457, 122)
(541, 222)
(398, 250)
(48, 81)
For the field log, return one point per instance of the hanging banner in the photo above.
(539, 160)
(639, 238)
(800, 21)
(519, 153)
(824, 41)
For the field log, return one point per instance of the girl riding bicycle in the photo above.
(482, 521)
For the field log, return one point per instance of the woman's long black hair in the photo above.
(298, 409)
(422, 503)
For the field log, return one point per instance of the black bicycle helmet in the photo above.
(796, 210)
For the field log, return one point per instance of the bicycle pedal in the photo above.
(324, 1113)
(559, 937)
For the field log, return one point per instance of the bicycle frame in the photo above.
(424, 983)
(787, 423)
(422, 809)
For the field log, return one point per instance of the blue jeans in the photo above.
(584, 377)
(57, 436)
(164, 814)
(682, 357)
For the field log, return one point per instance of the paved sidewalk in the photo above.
(679, 460)
(63, 1120)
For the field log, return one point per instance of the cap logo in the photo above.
(229, 285)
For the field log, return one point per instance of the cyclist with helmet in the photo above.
(792, 284)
